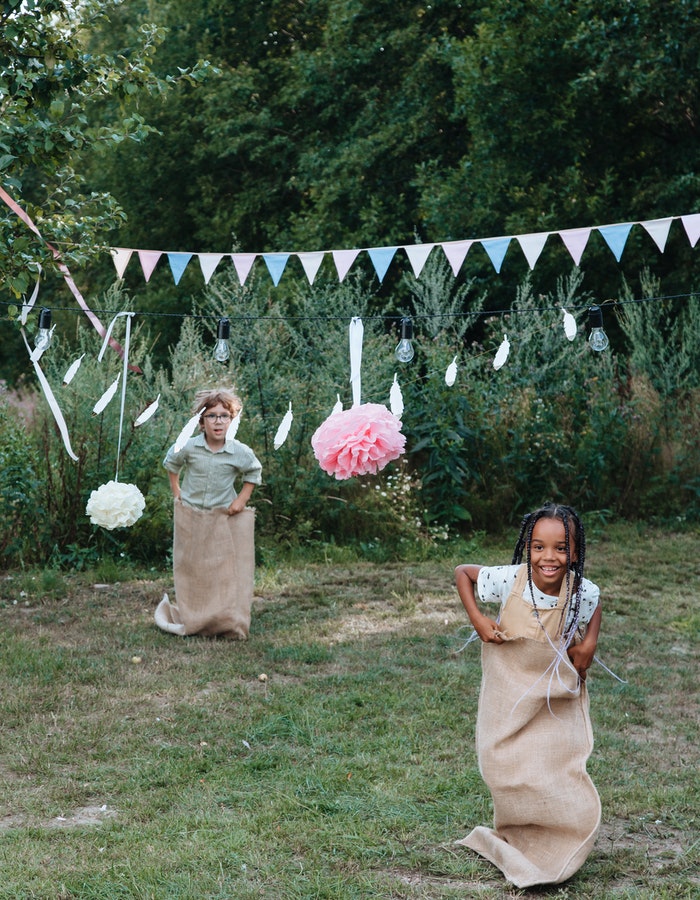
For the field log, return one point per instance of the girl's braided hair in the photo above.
(573, 529)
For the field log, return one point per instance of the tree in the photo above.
(50, 82)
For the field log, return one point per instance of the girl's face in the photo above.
(216, 420)
(548, 555)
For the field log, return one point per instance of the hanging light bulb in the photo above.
(222, 351)
(598, 339)
(404, 348)
(43, 335)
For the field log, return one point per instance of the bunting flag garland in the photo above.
(575, 240)
(569, 325)
(148, 412)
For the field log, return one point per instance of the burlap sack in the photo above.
(214, 570)
(533, 738)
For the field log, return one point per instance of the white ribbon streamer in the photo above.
(356, 333)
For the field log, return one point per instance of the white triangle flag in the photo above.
(531, 245)
(208, 263)
(121, 257)
(311, 263)
(343, 259)
(417, 255)
(692, 227)
(658, 230)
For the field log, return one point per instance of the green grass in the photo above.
(135, 764)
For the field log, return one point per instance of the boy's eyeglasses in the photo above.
(212, 417)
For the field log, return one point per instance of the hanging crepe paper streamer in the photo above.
(72, 369)
(51, 400)
(451, 373)
(569, 325)
(396, 398)
(232, 429)
(29, 305)
(283, 429)
(115, 505)
(502, 354)
(360, 440)
(149, 411)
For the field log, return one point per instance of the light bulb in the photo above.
(43, 335)
(404, 348)
(598, 339)
(222, 351)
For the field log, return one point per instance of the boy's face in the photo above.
(548, 555)
(216, 420)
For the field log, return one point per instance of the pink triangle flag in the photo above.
(456, 252)
(121, 257)
(692, 227)
(532, 245)
(658, 230)
(417, 255)
(575, 240)
(148, 259)
(243, 263)
(311, 263)
(343, 259)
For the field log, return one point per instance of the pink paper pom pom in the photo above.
(358, 441)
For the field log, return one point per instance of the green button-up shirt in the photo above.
(207, 478)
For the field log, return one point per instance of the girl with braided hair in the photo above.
(533, 730)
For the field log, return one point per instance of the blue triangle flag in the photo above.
(275, 263)
(381, 258)
(496, 249)
(616, 237)
(178, 264)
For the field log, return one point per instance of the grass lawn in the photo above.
(136, 764)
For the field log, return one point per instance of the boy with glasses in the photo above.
(213, 547)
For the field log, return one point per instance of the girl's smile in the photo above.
(548, 555)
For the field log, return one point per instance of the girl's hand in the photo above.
(488, 630)
(237, 506)
(581, 656)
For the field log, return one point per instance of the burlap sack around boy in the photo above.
(533, 739)
(214, 570)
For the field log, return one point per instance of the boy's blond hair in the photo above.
(212, 396)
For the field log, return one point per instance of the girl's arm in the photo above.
(581, 655)
(175, 484)
(486, 628)
(240, 502)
